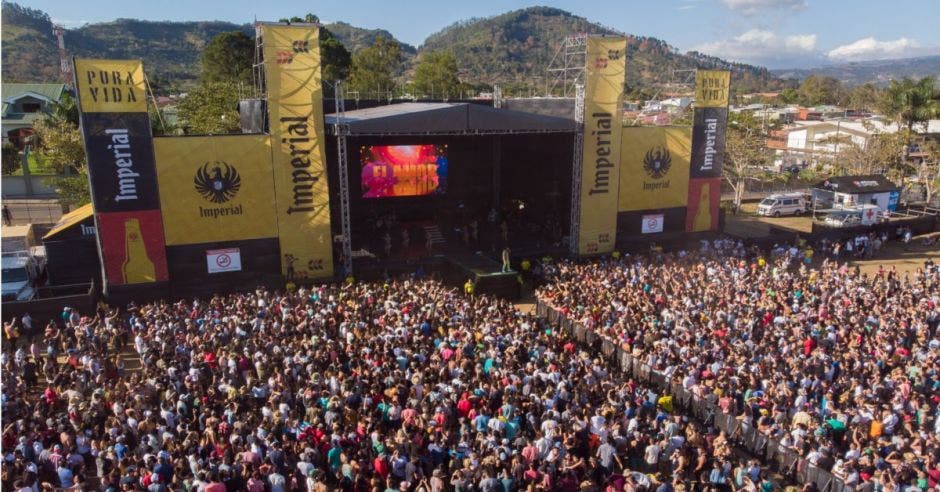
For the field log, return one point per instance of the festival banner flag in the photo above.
(654, 168)
(132, 246)
(704, 197)
(712, 88)
(216, 189)
(112, 102)
(603, 115)
(710, 122)
(110, 86)
(120, 159)
(295, 105)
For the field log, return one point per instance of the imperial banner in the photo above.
(110, 86)
(654, 168)
(215, 189)
(121, 167)
(112, 102)
(295, 105)
(710, 122)
(600, 160)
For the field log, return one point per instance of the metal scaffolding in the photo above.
(566, 70)
(257, 68)
(576, 168)
(340, 130)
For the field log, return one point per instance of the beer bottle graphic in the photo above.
(703, 215)
(138, 267)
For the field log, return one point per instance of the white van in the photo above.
(782, 204)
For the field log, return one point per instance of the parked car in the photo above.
(780, 204)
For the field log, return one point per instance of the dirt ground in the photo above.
(747, 223)
(904, 259)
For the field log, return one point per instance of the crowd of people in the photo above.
(841, 366)
(406, 385)
(410, 385)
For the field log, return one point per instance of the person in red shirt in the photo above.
(381, 466)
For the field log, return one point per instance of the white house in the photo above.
(23, 104)
(808, 140)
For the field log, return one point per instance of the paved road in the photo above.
(34, 211)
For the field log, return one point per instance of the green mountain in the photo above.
(514, 48)
(517, 48)
(879, 72)
(170, 50)
(355, 38)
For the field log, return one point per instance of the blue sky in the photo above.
(774, 33)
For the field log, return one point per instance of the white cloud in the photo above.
(871, 49)
(764, 47)
(751, 7)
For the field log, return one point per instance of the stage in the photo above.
(446, 187)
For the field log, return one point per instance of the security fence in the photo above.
(784, 460)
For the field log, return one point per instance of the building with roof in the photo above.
(23, 104)
(851, 191)
(807, 141)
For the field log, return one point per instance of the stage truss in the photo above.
(566, 70)
(576, 168)
(339, 129)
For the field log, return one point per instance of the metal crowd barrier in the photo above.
(784, 460)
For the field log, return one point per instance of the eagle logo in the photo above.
(217, 182)
(657, 161)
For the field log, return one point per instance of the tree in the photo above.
(789, 95)
(335, 58)
(309, 19)
(745, 154)
(228, 57)
(66, 109)
(816, 90)
(73, 190)
(911, 102)
(882, 152)
(436, 75)
(865, 97)
(372, 67)
(10, 159)
(59, 142)
(57, 139)
(212, 108)
(928, 172)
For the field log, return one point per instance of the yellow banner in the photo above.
(217, 188)
(111, 86)
(600, 169)
(711, 88)
(295, 102)
(654, 167)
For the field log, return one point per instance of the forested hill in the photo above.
(170, 50)
(518, 46)
(515, 47)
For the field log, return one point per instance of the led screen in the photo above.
(403, 170)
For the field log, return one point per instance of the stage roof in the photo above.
(416, 118)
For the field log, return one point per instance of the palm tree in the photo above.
(911, 102)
